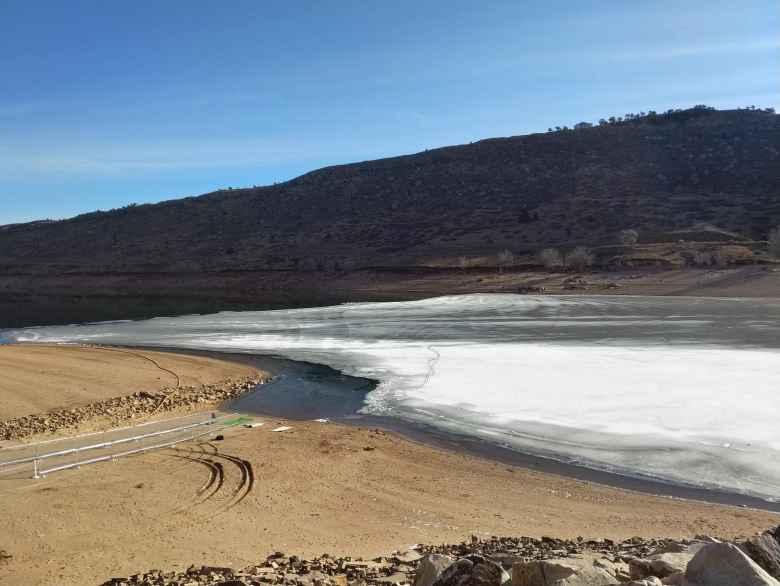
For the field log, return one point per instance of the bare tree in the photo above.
(551, 258)
(580, 258)
(628, 237)
(702, 258)
(774, 242)
(506, 258)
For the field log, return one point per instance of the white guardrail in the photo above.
(39, 454)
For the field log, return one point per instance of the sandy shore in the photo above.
(39, 377)
(316, 488)
(319, 487)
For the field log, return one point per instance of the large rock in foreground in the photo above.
(473, 570)
(764, 549)
(724, 564)
(430, 568)
(571, 571)
(665, 561)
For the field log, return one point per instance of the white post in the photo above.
(36, 476)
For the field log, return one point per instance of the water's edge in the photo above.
(307, 391)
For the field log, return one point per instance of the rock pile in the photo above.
(575, 283)
(278, 568)
(121, 409)
(702, 561)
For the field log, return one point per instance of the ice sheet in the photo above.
(679, 389)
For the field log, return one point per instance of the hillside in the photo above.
(657, 174)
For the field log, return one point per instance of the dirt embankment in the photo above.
(78, 298)
(317, 487)
(59, 388)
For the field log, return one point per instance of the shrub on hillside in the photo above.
(506, 258)
(551, 258)
(578, 259)
(628, 237)
(702, 258)
(774, 242)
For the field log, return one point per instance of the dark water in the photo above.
(307, 391)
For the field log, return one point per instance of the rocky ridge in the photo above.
(514, 561)
(122, 409)
(350, 232)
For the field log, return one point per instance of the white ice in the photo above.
(683, 390)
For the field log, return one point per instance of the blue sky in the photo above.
(107, 103)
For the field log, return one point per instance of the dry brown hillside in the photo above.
(710, 174)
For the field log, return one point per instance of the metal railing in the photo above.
(40, 453)
(57, 440)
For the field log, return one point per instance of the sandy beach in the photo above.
(317, 487)
(39, 377)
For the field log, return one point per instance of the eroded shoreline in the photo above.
(352, 490)
(298, 390)
(61, 388)
(306, 391)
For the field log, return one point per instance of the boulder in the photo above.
(659, 565)
(765, 551)
(724, 564)
(473, 570)
(573, 571)
(430, 568)
(666, 560)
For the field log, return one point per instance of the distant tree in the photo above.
(551, 258)
(702, 258)
(774, 242)
(463, 262)
(628, 237)
(579, 259)
(506, 258)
